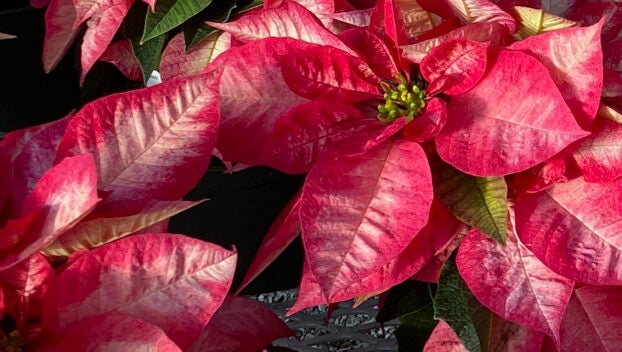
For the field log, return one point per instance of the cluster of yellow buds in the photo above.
(401, 99)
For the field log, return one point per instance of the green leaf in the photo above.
(194, 36)
(246, 5)
(456, 305)
(149, 53)
(413, 302)
(482, 318)
(480, 202)
(170, 14)
(415, 329)
(195, 29)
(407, 297)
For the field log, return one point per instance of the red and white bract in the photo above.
(302, 134)
(359, 213)
(444, 339)
(23, 286)
(417, 21)
(28, 277)
(99, 229)
(542, 176)
(177, 62)
(437, 255)
(322, 72)
(386, 21)
(441, 230)
(251, 79)
(429, 123)
(33, 152)
(479, 11)
(455, 66)
(574, 229)
(122, 56)
(600, 155)
(59, 32)
(39, 136)
(101, 29)
(288, 19)
(513, 283)
(612, 83)
(508, 336)
(158, 278)
(378, 55)
(109, 332)
(488, 32)
(146, 144)
(86, 9)
(63, 196)
(241, 325)
(4, 36)
(350, 19)
(592, 320)
(369, 134)
(574, 58)
(497, 129)
(322, 9)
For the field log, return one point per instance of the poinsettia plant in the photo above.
(462, 159)
(412, 126)
(127, 33)
(71, 279)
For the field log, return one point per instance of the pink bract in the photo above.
(514, 272)
(109, 331)
(152, 277)
(520, 219)
(241, 325)
(564, 229)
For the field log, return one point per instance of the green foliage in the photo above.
(170, 14)
(408, 297)
(478, 201)
(415, 329)
(412, 301)
(149, 31)
(148, 53)
(457, 306)
(195, 29)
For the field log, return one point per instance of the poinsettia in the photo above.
(473, 144)
(342, 101)
(143, 24)
(352, 112)
(61, 197)
(70, 209)
(152, 277)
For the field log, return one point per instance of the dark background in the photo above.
(241, 206)
(28, 96)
